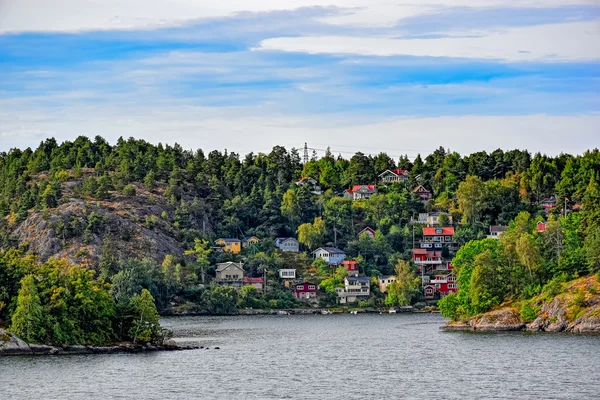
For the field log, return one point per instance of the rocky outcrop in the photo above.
(11, 345)
(506, 319)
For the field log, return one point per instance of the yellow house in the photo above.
(230, 245)
(385, 281)
(250, 241)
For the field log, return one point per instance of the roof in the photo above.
(367, 229)
(358, 278)
(229, 240)
(419, 251)
(382, 277)
(358, 187)
(253, 280)
(222, 266)
(447, 230)
(346, 262)
(306, 178)
(395, 172)
(497, 228)
(305, 283)
(283, 239)
(332, 250)
(418, 189)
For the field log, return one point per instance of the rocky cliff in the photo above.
(575, 309)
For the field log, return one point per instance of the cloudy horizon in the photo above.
(245, 76)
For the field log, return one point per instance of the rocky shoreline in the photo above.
(11, 345)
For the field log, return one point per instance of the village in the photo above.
(430, 257)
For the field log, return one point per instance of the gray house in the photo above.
(230, 274)
(355, 288)
(288, 244)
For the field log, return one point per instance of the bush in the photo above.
(129, 190)
(528, 314)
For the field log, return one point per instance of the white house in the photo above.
(396, 175)
(355, 288)
(332, 255)
(287, 274)
(288, 244)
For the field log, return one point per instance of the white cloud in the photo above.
(88, 15)
(246, 129)
(552, 42)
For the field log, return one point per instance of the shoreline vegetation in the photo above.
(98, 240)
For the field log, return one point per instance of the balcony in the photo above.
(429, 262)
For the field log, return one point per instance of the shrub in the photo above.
(528, 314)
(129, 190)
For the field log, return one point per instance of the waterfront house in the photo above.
(441, 285)
(229, 245)
(367, 231)
(332, 255)
(423, 193)
(385, 281)
(288, 273)
(395, 175)
(360, 192)
(355, 288)
(305, 291)
(230, 274)
(496, 231)
(351, 267)
(287, 244)
(311, 184)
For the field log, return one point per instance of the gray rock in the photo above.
(10, 344)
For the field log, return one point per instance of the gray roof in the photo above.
(358, 278)
(222, 266)
(497, 228)
(230, 240)
(332, 250)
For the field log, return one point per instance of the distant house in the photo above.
(230, 245)
(385, 281)
(230, 274)
(355, 288)
(311, 184)
(394, 175)
(250, 241)
(548, 203)
(440, 286)
(351, 267)
(287, 273)
(423, 193)
(305, 291)
(541, 226)
(368, 231)
(256, 282)
(428, 260)
(496, 231)
(360, 192)
(431, 219)
(438, 238)
(332, 255)
(288, 244)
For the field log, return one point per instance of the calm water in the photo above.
(322, 357)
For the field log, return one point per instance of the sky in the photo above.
(401, 76)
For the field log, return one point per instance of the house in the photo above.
(256, 282)
(250, 241)
(385, 281)
(441, 285)
(311, 184)
(230, 274)
(438, 238)
(355, 288)
(395, 175)
(360, 192)
(428, 260)
(496, 231)
(541, 226)
(351, 267)
(332, 255)
(548, 203)
(229, 245)
(305, 291)
(287, 273)
(368, 231)
(432, 218)
(288, 244)
(423, 193)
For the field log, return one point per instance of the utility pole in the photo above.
(305, 153)
(334, 237)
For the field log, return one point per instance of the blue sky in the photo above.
(351, 74)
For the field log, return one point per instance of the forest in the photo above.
(189, 199)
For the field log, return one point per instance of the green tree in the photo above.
(145, 326)
(406, 285)
(471, 194)
(29, 321)
(201, 252)
(220, 299)
(311, 235)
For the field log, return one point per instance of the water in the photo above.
(321, 357)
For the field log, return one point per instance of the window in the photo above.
(311, 287)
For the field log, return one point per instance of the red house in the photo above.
(428, 260)
(440, 286)
(305, 291)
(423, 193)
(541, 226)
(256, 282)
(351, 267)
(368, 231)
(360, 192)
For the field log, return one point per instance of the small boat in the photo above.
(392, 311)
(354, 312)
(326, 312)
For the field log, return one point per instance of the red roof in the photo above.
(253, 280)
(367, 229)
(419, 251)
(399, 171)
(356, 187)
(447, 231)
(347, 262)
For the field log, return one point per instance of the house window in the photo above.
(311, 287)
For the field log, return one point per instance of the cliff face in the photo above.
(84, 231)
(575, 309)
